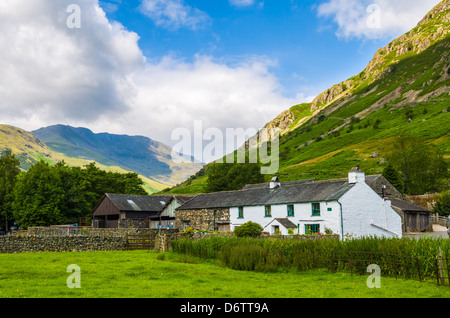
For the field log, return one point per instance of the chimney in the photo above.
(383, 189)
(356, 175)
(274, 183)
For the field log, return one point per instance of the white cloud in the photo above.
(242, 3)
(54, 72)
(375, 19)
(245, 3)
(97, 77)
(174, 14)
(173, 94)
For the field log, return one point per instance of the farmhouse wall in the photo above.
(365, 213)
(203, 219)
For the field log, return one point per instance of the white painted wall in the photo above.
(366, 213)
(302, 215)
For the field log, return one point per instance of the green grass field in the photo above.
(147, 274)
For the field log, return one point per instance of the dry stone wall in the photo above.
(21, 244)
(62, 240)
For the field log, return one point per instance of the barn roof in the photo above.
(407, 206)
(313, 191)
(140, 203)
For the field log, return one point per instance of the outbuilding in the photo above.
(136, 211)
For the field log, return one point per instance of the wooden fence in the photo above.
(441, 220)
(356, 262)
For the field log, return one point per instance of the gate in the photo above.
(140, 242)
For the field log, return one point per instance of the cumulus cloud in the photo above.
(374, 19)
(54, 72)
(96, 76)
(174, 14)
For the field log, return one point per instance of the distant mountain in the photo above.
(404, 87)
(140, 154)
(27, 147)
(80, 146)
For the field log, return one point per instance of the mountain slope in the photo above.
(134, 153)
(404, 87)
(29, 149)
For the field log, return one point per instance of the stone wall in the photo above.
(90, 231)
(51, 239)
(21, 244)
(204, 219)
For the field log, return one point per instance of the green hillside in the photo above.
(140, 154)
(29, 150)
(404, 88)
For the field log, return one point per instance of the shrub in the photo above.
(245, 257)
(249, 229)
(442, 205)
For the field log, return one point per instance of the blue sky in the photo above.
(150, 67)
(308, 56)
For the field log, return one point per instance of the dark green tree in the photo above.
(38, 197)
(9, 170)
(60, 194)
(393, 176)
(442, 205)
(423, 169)
(232, 176)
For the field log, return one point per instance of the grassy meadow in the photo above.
(148, 274)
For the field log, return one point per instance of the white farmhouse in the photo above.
(342, 206)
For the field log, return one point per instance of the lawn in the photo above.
(147, 274)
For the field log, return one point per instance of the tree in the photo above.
(9, 170)
(393, 176)
(249, 229)
(60, 194)
(423, 169)
(38, 197)
(232, 176)
(442, 205)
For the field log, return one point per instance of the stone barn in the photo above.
(415, 218)
(136, 211)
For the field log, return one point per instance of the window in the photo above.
(290, 210)
(268, 211)
(312, 228)
(316, 209)
(186, 224)
(241, 212)
(329, 209)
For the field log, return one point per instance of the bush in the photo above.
(249, 229)
(245, 257)
(442, 205)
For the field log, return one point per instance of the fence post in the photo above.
(351, 262)
(441, 267)
(418, 269)
(313, 260)
(395, 266)
(332, 263)
(437, 271)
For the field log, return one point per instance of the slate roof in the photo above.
(287, 223)
(407, 206)
(313, 191)
(140, 203)
(267, 185)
